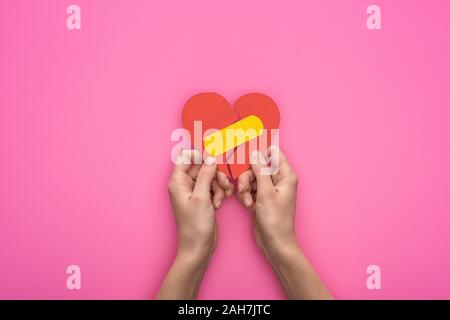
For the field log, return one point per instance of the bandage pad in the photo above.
(226, 131)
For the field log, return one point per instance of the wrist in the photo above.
(281, 250)
(196, 244)
(196, 255)
(183, 280)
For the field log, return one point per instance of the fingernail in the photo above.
(248, 202)
(228, 192)
(210, 161)
(240, 187)
(218, 203)
(197, 157)
(262, 158)
(258, 158)
(254, 157)
(183, 158)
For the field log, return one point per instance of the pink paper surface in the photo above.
(86, 118)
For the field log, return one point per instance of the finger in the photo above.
(225, 183)
(245, 181)
(278, 158)
(245, 199)
(284, 170)
(205, 176)
(261, 172)
(185, 160)
(193, 172)
(219, 194)
(179, 182)
(248, 200)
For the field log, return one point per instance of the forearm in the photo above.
(184, 278)
(296, 274)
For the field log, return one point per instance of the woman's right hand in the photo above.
(270, 192)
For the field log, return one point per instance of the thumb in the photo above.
(205, 176)
(261, 171)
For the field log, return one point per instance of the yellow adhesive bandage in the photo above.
(234, 135)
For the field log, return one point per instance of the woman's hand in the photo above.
(196, 191)
(272, 198)
(270, 193)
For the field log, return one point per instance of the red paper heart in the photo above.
(215, 112)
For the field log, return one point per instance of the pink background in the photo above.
(86, 118)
